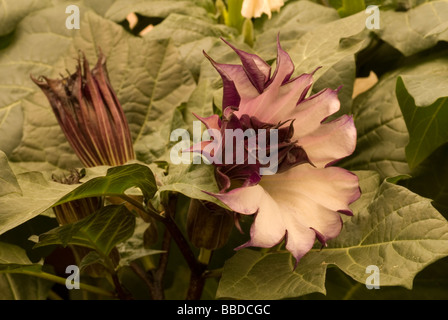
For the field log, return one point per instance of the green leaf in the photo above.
(200, 102)
(90, 259)
(382, 129)
(430, 284)
(192, 181)
(115, 183)
(341, 74)
(426, 125)
(165, 85)
(8, 180)
(149, 78)
(382, 133)
(417, 29)
(191, 36)
(427, 87)
(293, 21)
(430, 179)
(234, 17)
(21, 58)
(35, 193)
(311, 51)
(392, 228)
(158, 8)
(16, 286)
(309, 44)
(101, 231)
(13, 11)
(133, 248)
(350, 7)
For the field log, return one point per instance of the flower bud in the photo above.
(256, 8)
(90, 114)
(73, 211)
(208, 225)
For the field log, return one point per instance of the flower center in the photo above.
(254, 148)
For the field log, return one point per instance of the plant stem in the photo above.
(215, 273)
(138, 205)
(204, 256)
(53, 295)
(159, 273)
(197, 268)
(197, 279)
(197, 282)
(60, 280)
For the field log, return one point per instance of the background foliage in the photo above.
(161, 77)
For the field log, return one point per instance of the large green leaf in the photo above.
(191, 35)
(100, 231)
(26, 195)
(148, 76)
(308, 32)
(309, 49)
(430, 179)
(133, 248)
(158, 8)
(426, 125)
(382, 130)
(392, 228)
(341, 74)
(115, 183)
(293, 21)
(382, 133)
(430, 284)
(16, 286)
(12, 11)
(350, 7)
(164, 84)
(24, 56)
(417, 29)
(8, 180)
(191, 180)
(200, 102)
(426, 88)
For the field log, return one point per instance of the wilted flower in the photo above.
(90, 114)
(304, 199)
(255, 8)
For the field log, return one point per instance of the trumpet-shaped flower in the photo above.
(304, 200)
(255, 8)
(90, 115)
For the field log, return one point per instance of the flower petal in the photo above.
(255, 8)
(331, 142)
(275, 5)
(277, 104)
(333, 187)
(237, 86)
(212, 122)
(257, 70)
(311, 112)
(268, 228)
(284, 69)
(303, 203)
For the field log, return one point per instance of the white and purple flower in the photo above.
(256, 8)
(304, 200)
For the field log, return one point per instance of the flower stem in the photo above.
(60, 280)
(197, 279)
(204, 256)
